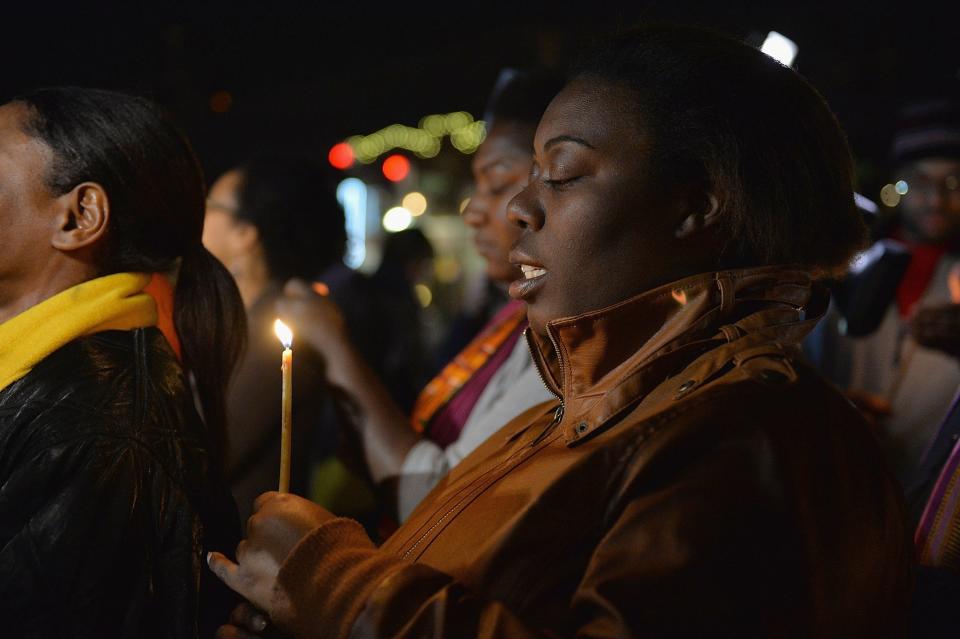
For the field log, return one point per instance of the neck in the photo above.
(56, 278)
(252, 277)
(251, 290)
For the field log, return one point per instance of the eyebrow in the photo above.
(506, 159)
(566, 138)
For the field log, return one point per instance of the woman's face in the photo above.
(597, 228)
(28, 210)
(500, 170)
(221, 229)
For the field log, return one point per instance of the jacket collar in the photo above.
(600, 363)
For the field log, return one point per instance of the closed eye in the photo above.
(559, 184)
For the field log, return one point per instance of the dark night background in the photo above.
(304, 76)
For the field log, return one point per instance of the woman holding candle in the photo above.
(110, 486)
(693, 477)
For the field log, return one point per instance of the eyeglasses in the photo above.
(213, 204)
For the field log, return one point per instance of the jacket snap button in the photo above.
(582, 427)
(687, 385)
(773, 377)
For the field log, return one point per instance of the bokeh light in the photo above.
(446, 269)
(397, 219)
(889, 196)
(341, 156)
(780, 48)
(221, 101)
(396, 168)
(424, 294)
(425, 140)
(414, 202)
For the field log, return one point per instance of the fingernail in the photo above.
(259, 623)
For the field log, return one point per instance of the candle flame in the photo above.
(283, 332)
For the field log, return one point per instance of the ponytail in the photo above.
(212, 327)
(157, 194)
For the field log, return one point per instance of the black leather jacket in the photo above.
(109, 496)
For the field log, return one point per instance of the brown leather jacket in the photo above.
(692, 479)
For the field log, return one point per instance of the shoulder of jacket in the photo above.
(768, 363)
(96, 383)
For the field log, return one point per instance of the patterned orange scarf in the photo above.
(465, 365)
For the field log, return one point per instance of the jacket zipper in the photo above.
(536, 362)
(557, 416)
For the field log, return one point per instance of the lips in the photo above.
(534, 276)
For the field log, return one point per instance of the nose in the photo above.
(525, 211)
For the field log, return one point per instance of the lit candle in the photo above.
(285, 335)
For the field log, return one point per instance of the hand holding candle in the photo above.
(285, 335)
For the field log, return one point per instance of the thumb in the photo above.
(227, 571)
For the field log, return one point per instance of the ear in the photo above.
(703, 216)
(84, 220)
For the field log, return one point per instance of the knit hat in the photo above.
(927, 129)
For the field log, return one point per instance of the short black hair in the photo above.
(296, 213)
(756, 134)
(522, 95)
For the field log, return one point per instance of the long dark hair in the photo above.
(157, 195)
(752, 131)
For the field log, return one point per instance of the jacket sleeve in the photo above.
(78, 520)
(689, 557)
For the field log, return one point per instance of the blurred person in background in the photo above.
(112, 317)
(270, 220)
(905, 372)
(402, 353)
(493, 379)
(497, 169)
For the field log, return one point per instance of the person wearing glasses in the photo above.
(907, 368)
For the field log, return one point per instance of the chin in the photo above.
(540, 328)
(538, 320)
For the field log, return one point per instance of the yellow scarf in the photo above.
(114, 302)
